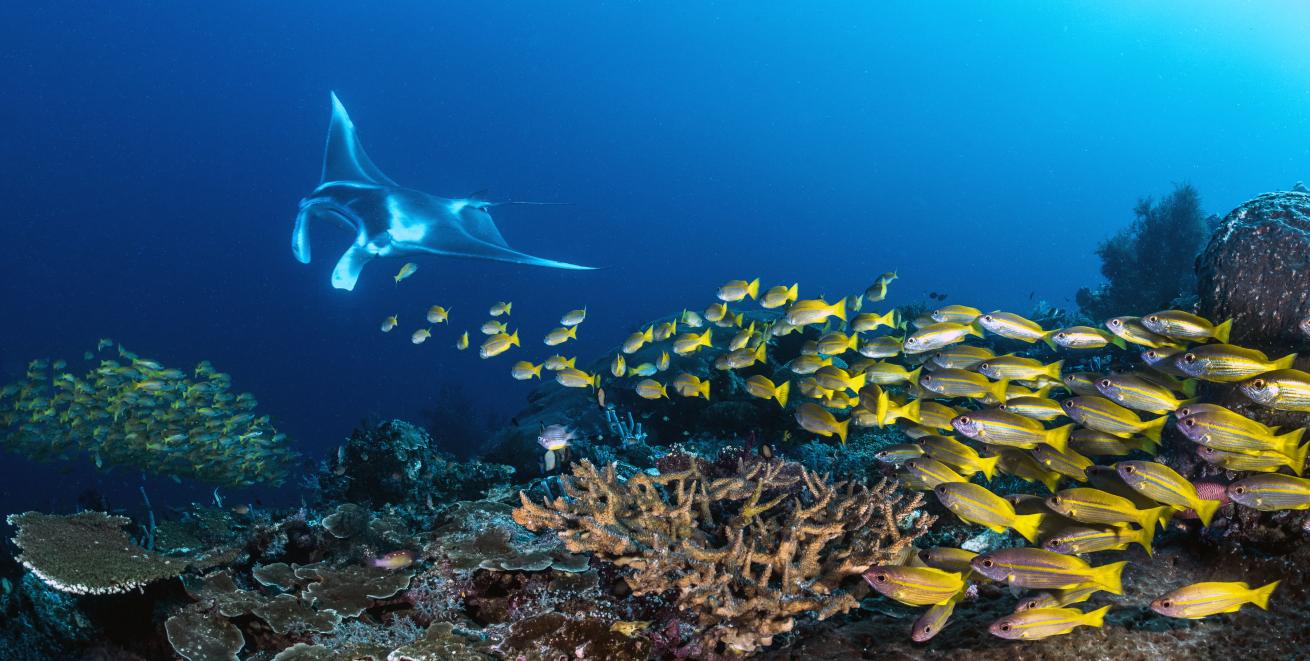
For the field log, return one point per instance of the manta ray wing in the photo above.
(393, 221)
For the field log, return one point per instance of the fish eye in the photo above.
(1189, 358)
(1258, 383)
(1189, 422)
(1104, 383)
(983, 366)
(1056, 499)
(1115, 322)
(881, 578)
(1130, 469)
(964, 420)
(987, 317)
(1061, 335)
(1166, 603)
(1239, 490)
(987, 562)
(927, 629)
(1154, 317)
(1005, 627)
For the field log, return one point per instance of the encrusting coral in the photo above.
(88, 553)
(746, 554)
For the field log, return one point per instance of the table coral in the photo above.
(88, 553)
(745, 555)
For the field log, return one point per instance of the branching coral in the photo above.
(746, 554)
(87, 553)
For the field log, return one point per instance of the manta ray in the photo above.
(389, 220)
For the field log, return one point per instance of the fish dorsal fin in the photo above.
(344, 159)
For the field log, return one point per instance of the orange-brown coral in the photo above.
(745, 554)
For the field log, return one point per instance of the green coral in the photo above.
(88, 553)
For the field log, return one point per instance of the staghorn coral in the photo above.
(87, 553)
(744, 554)
(483, 535)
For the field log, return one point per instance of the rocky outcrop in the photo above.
(1256, 270)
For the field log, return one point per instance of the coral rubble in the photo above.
(747, 554)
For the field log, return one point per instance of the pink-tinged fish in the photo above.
(395, 560)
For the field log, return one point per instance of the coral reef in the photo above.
(87, 553)
(199, 636)
(747, 554)
(1150, 263)
(1254, 271)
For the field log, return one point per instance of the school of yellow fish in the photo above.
(970, 412)
(133, 411)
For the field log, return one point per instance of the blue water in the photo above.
(154, 154)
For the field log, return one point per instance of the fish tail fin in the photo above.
(913, 376)
(1058, 437)
(648, 335)
(1285, 362)
(1051, 480)
(997, 389)
(1290, 440)
(987, 464)
(1205, 510)
(1095, 618)
(753, 289)
(1222, 330)
(780, 393)
(1260, 595)
(536, 370)
(910, 411)
(759, 355)
(841, 428)
(1053, 370)
(704, 389)
(1296, 459)
(1153, 428)
(1049, 338)
(514, 338)
(792, 292)
(1027, 525)
(1144, 538)
(1110, 577)
(975, 329)
(1156, 515)
(839, 309)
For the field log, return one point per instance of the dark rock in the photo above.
(1256, 270)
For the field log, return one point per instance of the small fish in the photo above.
(717, 312)
(498, 344)
(778, 296)
(938, 335)
(525, 370)
(1137, 393)
(492, 327)
(1094, 443)
(689, 385)
(881, 347)
(882, 373)
(1012, 326)
(395, 559)
(389, 324)
(926, 473)
(954, 453)
(1221, 429)
(463, 342)
(420, 336)
(642, 369)
(1163, 359)
(878, 290)
(1039, 623)
(438, 314)
(1227, 363)
(557, 362)
(934, 620)
(869, 321)
(573, 317)
(962, 356)
(958, 314)
(692, 320)
(997, 427)
(1037, 408)
(651, 389)
(1271, 492)
(664, 330)
(555, 437)
(1164, 485)
(936, 415)
(501, 308)
(962, 383)
(689, 343)
(815, 311)
(1090, 505)
(571, 377)
(832, 344)
(1077, 540)
(835, 378)
(742, 338)
(899, 453)
(947, 558)
(1132, 330)
(760, 386)
(914, 586)
(1019, 368)
(662, 363)
(1200, 600)
(736, 290)
(1181, 325)
(975, 504)
(1281, 390)
(409, 269)
(1104, 415)
(618, 365)
(1261, 462)
(1058, 598)
(1086, 337)
(561, 335)
(1038, 568)
(1081, 383)
(639, 339)
(1068, 462)
(815, 419)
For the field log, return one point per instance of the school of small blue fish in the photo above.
(969, 412)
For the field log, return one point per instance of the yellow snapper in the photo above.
(869, 321)
(914, 586)
(1227, 363)
(1078, 540)
(524, 370)
(1090, 505)
(778, 296)
(1104, 415)
(438, 314)
(934, 619)
(760, 386)
(389, 324)
(1037, 408)
(961, 356)
(651, 389)
(1038, 568)
(1132, 330)
(1271, 492)
(1200, 600)
(420, 336)
(815, 419)
(1039, 623)
(954, 453)
(492, 327)
(572, 377)
(742, 338)
(881, 347)
(688, 343)
(836, 343)
(959, 314)
(617, 365)
(498, 344)
(926, 473)
(736, 290)
(1014, 327)
(406, 271)
(1018, 368)
(960, 383)
(1138, 393)
(689, 385)
(501, 308)
(662, 363)
(558, 362)
(815, 311)
(1086, 337)
(1261, 462)
(1181, 325)
(638, 339)
(573, 317)
(463, 342)
(1281, 390)
(997, 427)
(975, 504)
(561, 335)
(1164, 485)
(938, 335)
(664, 330)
